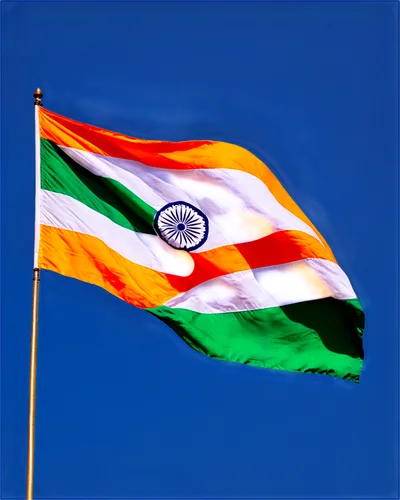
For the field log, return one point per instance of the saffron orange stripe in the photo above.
(88, 259)
(70, 133)
(171, 155)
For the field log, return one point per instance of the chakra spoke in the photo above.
(172, 215)
(169, 219)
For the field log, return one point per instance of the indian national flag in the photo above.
(200, 234)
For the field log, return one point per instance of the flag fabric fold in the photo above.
(203, 236)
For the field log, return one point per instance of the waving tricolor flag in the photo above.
(202, 235)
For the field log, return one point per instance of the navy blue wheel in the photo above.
(181, 225)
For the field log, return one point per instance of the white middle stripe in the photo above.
(266, 287)
(239, 206)
(64, 212)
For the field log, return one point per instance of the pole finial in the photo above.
(38, 94)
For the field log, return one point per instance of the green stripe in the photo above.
(322, 336)
(60, 174)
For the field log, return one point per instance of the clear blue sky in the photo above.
(124, 407)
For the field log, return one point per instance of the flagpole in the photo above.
(35, 307)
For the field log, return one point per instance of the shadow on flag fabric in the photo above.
(202, 235)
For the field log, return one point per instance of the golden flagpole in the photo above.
(35, 307)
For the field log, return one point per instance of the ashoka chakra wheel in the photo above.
(181, 225)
